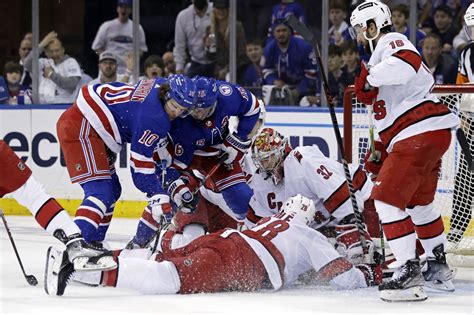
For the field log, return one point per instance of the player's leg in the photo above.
(105, 222)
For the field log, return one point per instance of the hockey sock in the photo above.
(237, 198)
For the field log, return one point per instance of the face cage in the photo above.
(274, 171)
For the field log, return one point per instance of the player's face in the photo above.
(13, 77)
(254, 52)
(202, 113)
(173, 109)
(282, 34)
(108, 67)
(398, 19)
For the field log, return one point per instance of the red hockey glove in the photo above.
(159, 206)
(363, 93)
(374, 164)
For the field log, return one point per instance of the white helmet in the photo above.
(299, 208)
(469, 21)
(371, 10)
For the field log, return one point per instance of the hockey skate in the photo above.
(436, 271)
(406, 284)
(86, 257)
(58, 271)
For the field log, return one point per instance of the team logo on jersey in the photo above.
(225, 89)
(21, 166)
(201, 142)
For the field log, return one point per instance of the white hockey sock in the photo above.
(399, 231)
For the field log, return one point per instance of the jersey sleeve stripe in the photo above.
(430, 229)
(341, 194)
(333, 269)
(254, 108)
(421, 112)
(410, 57)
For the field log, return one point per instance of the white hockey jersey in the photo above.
(404, 105)
(310, 173)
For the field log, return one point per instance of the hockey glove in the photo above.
(182, 193)
(235, 147)
(159, 206)
(348, 243)
(364, 92)
(374, 164)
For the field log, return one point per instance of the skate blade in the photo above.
(437, 285)
(103, 264)
(413, 294)
(53, 264)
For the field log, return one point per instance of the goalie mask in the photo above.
(300, 209)
(375, 11)
(269, 150)
(469, 21)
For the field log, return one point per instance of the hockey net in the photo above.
(454, 196)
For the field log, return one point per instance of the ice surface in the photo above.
(16, 296)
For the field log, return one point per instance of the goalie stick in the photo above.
(29, 278)
(307, 35)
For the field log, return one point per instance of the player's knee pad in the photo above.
(102, 190)
(389, 213)
(237, 198)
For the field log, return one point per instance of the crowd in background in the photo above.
(279, 66)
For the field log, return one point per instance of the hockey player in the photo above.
(17, 181)
(271, 255)
(197, 145)
(93, 130)
(463, 197)
(283, 172)
(415, 129)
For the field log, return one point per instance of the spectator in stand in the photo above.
(283, 11)
(117, 35)
(17, 93)
(351, 62)
(339, 30)
(289, 62)
(443, 27)
(108, 70)
(60, 73)
(217, 38)
(190, 31)
(252, 77)
(400, 15)
(170, 64)
(442, 65)
(23, 51)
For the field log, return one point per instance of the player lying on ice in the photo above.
(271, 255)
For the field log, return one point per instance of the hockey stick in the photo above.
(299, 27)
(465, 148)
(29, 278)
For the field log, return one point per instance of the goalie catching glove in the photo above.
(235, 147)
(364, 92)
(348, 243)
(160, 207)
(183, 193)
(373, 163)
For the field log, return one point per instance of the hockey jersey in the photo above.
(122, 113)
(404, 106)
(307, 171)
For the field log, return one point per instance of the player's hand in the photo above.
(160, 207)
(181, 190)
(235, 147)
(374, 162)
(364, 92)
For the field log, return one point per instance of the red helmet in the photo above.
(269, 150)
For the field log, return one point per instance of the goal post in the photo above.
(455, 191)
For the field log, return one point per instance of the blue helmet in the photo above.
(206, 92)
(183, 91)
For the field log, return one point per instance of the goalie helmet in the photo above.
(269, 150)
(469, 21)
(300, 208)
(370, 11)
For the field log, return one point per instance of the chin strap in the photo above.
(371, 40)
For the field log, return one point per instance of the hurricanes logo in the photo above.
(21, 166)
(78, 167)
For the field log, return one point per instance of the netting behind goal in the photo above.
(455, 185)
